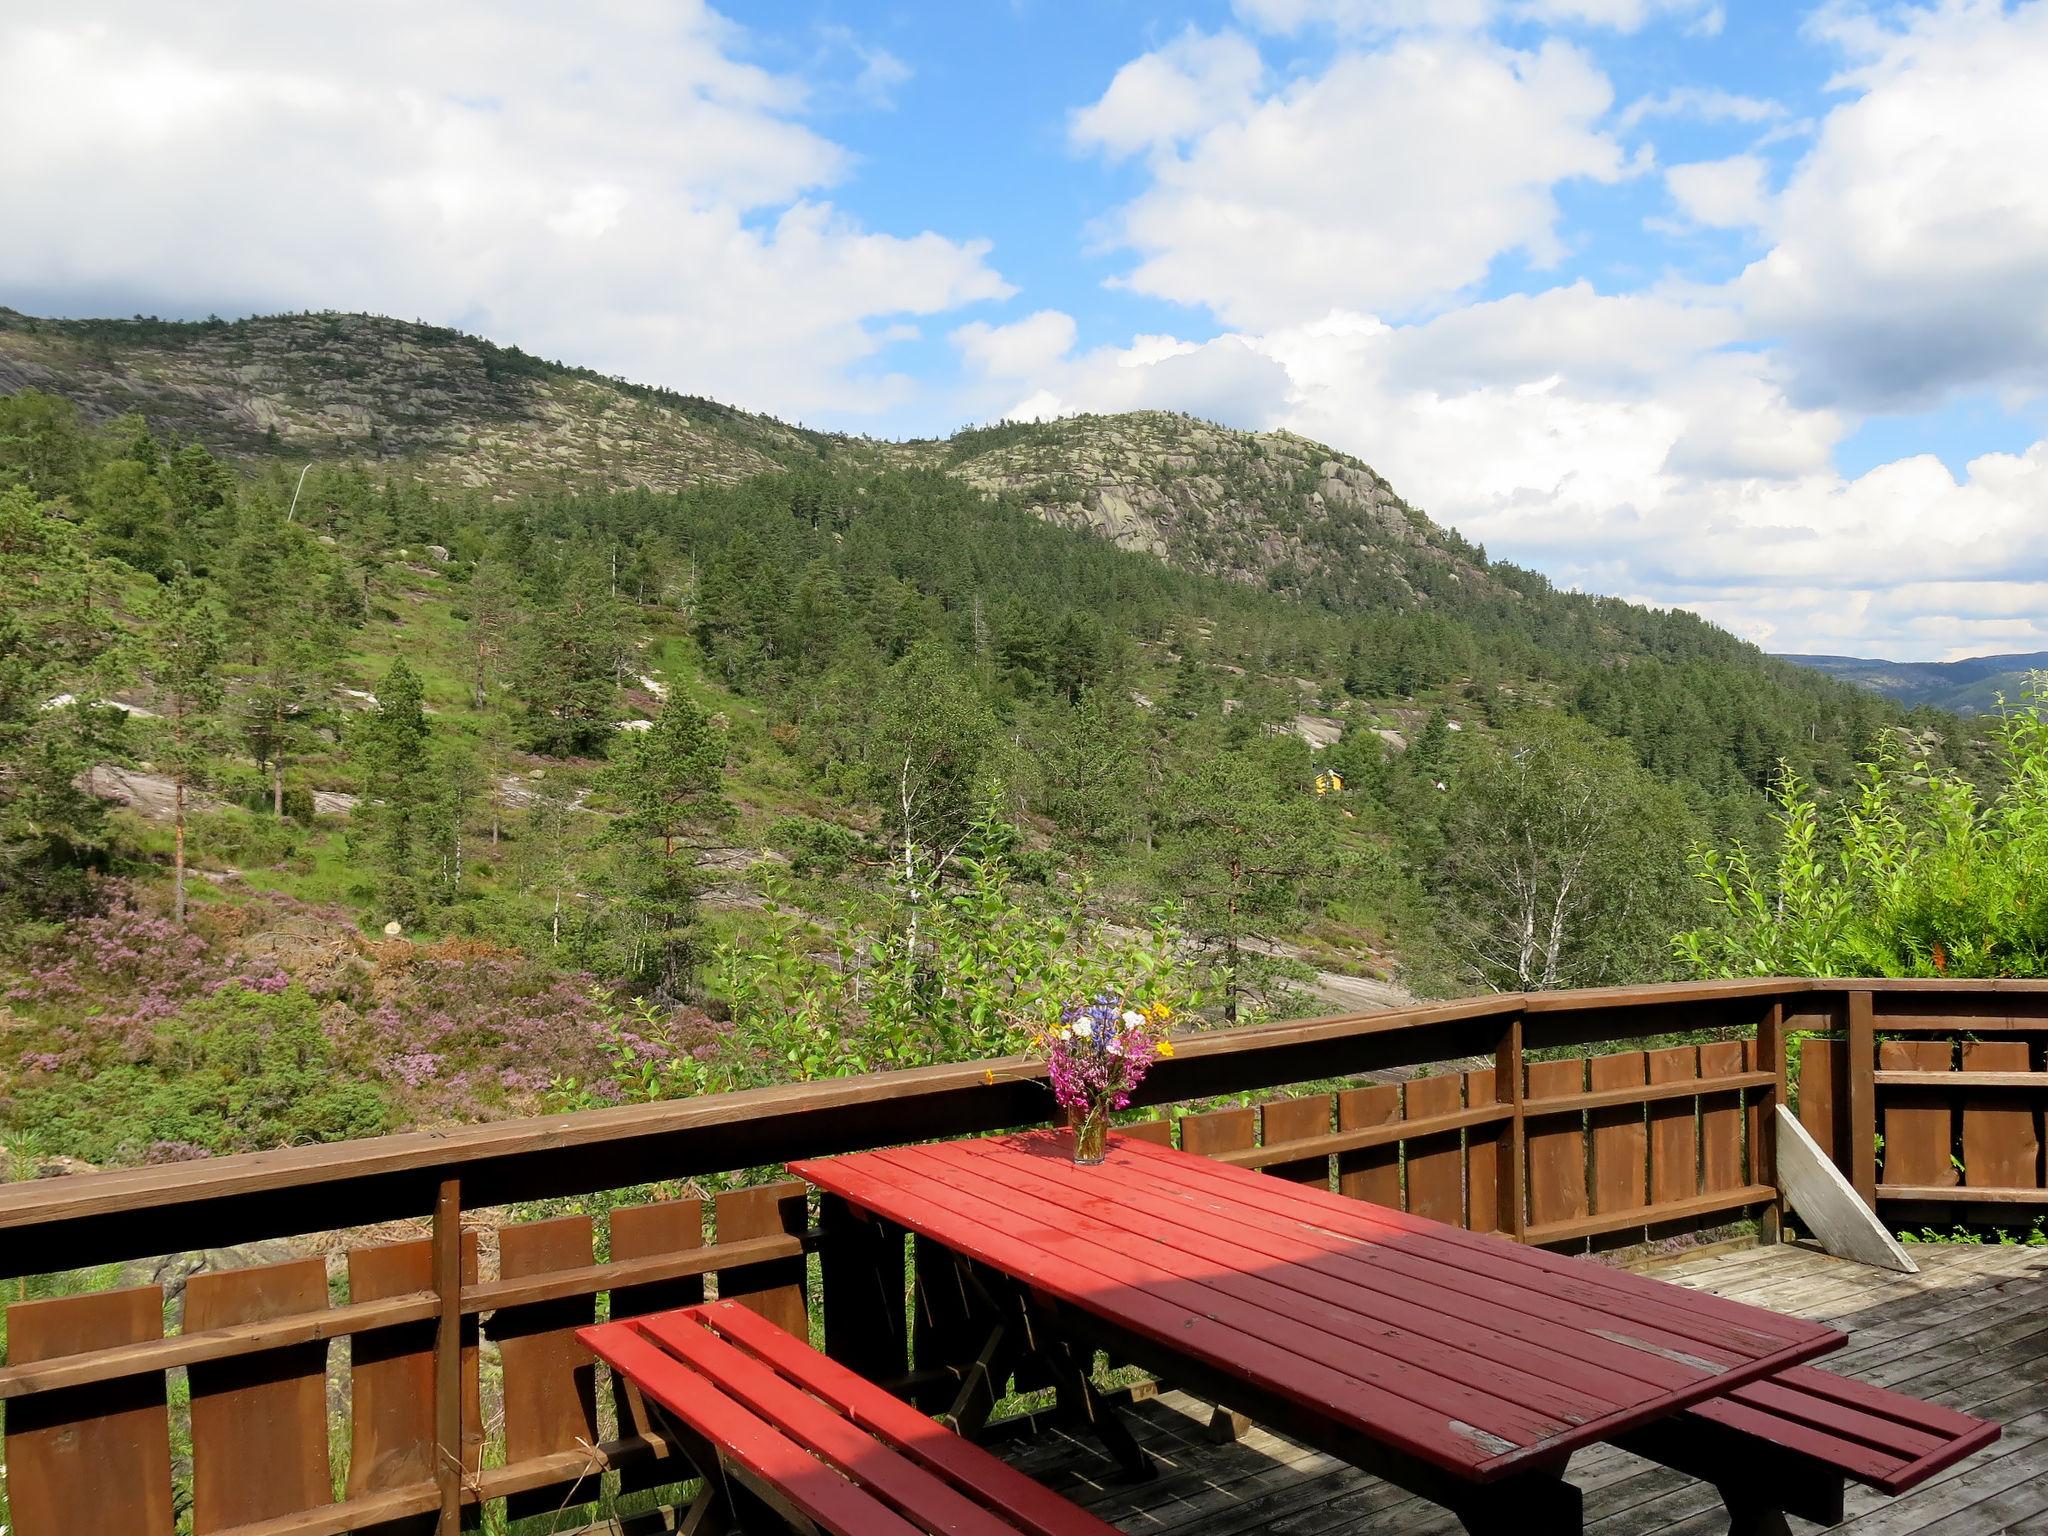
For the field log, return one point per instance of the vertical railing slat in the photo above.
(1862, 1086)
(774, 1289)
(1298, 1119)
(1508, 1089)
(1557, 1145)
(646, 1232)
(1436, 1164)
(1370, 1173)
(1621, 1140)
(2001, 1130)
(1482, 1159)
(259, 1421)
(95, 1460)
(550, 1388)
(392, 1423)
(1674, 1128)
(1918, 1124)
(1721, 1119)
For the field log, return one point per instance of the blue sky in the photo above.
(1739, 307)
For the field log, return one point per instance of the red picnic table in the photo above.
(1463, 1367)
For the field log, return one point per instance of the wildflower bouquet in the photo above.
(1096, 1056)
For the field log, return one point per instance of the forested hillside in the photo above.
(392, 715)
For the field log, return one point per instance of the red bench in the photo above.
(1788, 1442)
(768, 1421)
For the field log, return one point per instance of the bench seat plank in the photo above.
(1883, 1439)
(871, 1463)
(813, 1487)
(855, 1459)
(1031, 1507)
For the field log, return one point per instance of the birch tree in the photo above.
(1564, 861)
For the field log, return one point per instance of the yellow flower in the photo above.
(988, 1074)
(1166, 1047)
(1160, 1013)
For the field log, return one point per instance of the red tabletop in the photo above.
(1474, 1353)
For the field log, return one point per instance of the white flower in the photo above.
(1083, 1027)
(1133, 1019)
(1065, 1033)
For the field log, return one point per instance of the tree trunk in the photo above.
(178, 850)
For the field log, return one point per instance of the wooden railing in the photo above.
(1516, 1128)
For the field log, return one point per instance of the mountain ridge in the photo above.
(1972, 685)
(467, 414)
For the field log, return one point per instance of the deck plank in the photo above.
(1970, 1331)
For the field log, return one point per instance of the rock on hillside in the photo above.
(1233, 503)
(460, 410)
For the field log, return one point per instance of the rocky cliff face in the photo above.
(462, 411)
(1262, 507)
(1253, 506)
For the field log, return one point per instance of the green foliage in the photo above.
(1920, 873)
(1247, 859)
(233, 1072)
(668, 784)
(393, 747)
(1564, 862)
(933, 971)
(56, 636)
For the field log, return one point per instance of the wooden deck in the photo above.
(1971, 1331)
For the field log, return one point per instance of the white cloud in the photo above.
(1387, 16)
(1019, 350)
(1179, 90)
(1721, 194)
(1367, 16)
(1705, 104)
(1911, 252)
(614, 186)
(1390, 181)
(1623, 15)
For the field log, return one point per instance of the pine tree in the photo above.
(494, 601)
(392, 748)
(56, 637)
(568, 676)
(669, 781)
(187, 643)
(1245, 859)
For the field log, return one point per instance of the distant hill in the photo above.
(1972, 686)
(465, 414)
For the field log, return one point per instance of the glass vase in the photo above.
(1091, 1134)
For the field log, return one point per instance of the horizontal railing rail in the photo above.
(1534, 1120)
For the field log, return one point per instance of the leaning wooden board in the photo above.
(1476, 1355)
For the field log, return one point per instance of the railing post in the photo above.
(1763, 1124)
(447, 1274)
(1862, 1168)
(1507, 1089)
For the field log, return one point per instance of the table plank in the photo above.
(1473, 1354)
(1411, 1364)
(1526, 1339)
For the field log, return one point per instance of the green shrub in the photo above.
(1921, 874)
(237, 1071)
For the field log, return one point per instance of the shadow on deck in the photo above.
(1970, 1331)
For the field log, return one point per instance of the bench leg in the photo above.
(709, 1514)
